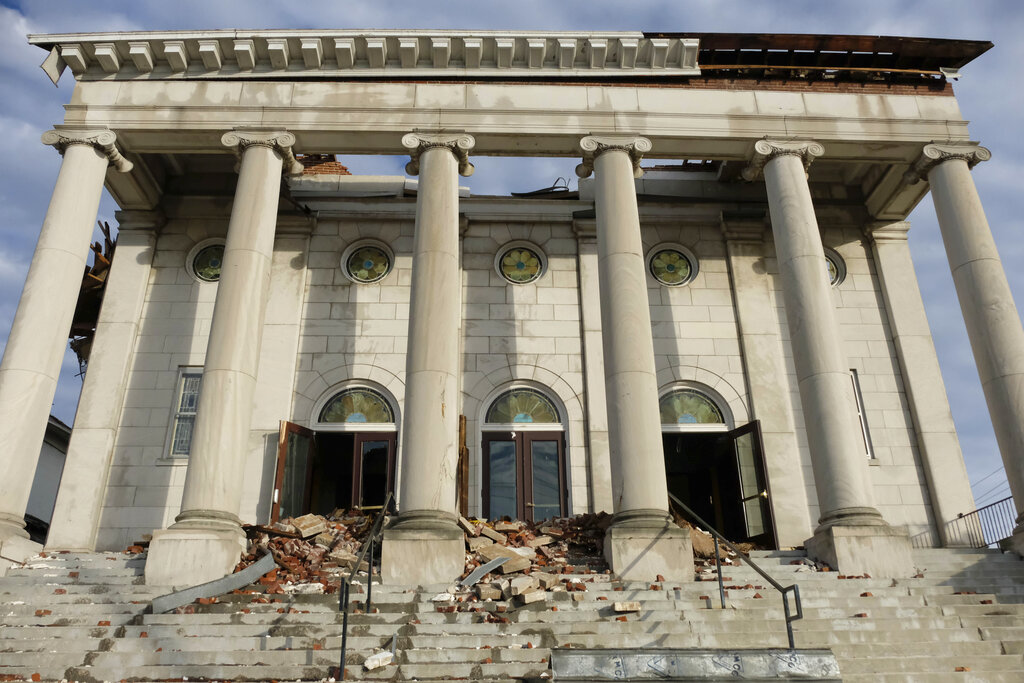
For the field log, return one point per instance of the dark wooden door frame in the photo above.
(524, 463)
(287, 428)
(357, 461)
(769, 538)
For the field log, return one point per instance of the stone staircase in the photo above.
(82, 617)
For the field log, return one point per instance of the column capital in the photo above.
(935, 153)
(458, 144)
(766, 150)
(887, 231)
(280, 141)
(594, 146)
(103, 140)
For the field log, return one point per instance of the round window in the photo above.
(366, 263)
(835, 267)
(672, 266)
(205, 261)
(520, 264)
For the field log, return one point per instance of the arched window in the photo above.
(688, 406)
(357, 406)
(524, 474)
(523, 406)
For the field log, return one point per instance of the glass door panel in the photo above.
(295, 454)
(545, 499)
(501, 494)
(753, 485)
(373, 469)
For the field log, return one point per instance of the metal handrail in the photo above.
(984, 527)
(785, 591)
(346, 583)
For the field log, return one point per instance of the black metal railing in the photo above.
(344, 591)
(790, 615)
(985, 527)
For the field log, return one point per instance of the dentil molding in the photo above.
(103, 140)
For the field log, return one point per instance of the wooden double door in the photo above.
(320, 471)
(524, 475)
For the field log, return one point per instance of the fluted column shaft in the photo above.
(38, 338)
(993, 323)
(823, 372)
(639, 489)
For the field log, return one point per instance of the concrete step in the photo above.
(931, 664)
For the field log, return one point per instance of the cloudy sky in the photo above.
(990, 95)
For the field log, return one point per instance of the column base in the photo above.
(423, 547)
(194, 550)
(641, 544)
(878, 551)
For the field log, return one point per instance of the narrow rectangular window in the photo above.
(859, 400)
(185, 406)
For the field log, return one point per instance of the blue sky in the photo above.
(990, 95)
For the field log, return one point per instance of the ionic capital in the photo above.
(935, 153)
(594, 146)
(102, 140)
(458, 144)
(766, 150)
(278, 140)
(887, 231)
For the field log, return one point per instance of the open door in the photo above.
(292, 486)
(752, 522)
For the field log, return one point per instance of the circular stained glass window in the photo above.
(522, 406)
(207, 262)
(360, 405)
(368, 263)
(671, 267)
(688, 406)
(835, 267)
(520, 265)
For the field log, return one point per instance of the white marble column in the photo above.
(993, 323)
(206, 539)
(425, 545)
(83, 485)
(765, 367)
(39, 334)
(642, 541)
(949, 488)
(823, 373)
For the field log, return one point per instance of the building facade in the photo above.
(725, 311)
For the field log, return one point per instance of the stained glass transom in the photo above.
(207, 263)
(520, 265)
(357, 406)
(522, 406)
(671, 267)
(368, 264)
(688, 406)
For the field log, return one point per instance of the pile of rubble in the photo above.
(555, 546)
(313, 552)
